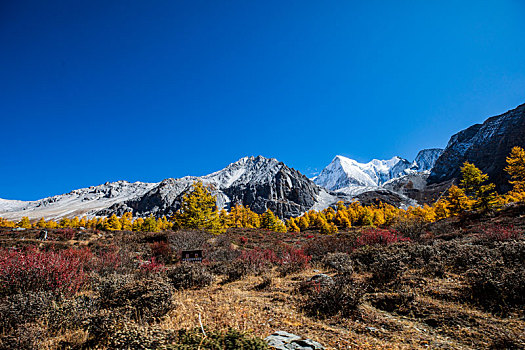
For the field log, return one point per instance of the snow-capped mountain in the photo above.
(345, 172)
(258, 182)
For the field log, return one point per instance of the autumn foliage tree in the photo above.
(199, 210)
(474, 183)
(516, 169)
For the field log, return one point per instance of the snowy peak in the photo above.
(343, 172)
(245, 170)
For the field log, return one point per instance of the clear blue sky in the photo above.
(96, 91)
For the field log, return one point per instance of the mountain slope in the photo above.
(77, 202)
(258, 182)
(486, 145)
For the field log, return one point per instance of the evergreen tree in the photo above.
(137, 224)
(271, 222)
(113, 223)
(199, 210)
(516, 169)
(150, 224)
(24, 223)
(473, 183)
(457, 200)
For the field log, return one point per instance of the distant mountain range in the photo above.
(265, 183)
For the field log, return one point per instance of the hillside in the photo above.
(457, 283)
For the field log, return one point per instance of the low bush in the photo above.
(340, 262)
(497, 288)
(189, 275)
(236, 270)
(144, 299)
(259, 260)
(386, 270)
(412, 228)
(342, 297)
(26, 307)
(188, 240)
(320, 246)
(161, 251)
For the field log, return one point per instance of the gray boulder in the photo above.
(281, 340)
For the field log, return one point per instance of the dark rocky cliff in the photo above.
(486, 145)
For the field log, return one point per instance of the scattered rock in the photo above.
(281, 340)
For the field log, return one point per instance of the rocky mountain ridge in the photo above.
(486, 145)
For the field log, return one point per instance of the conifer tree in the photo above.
(150, 224)
(199, 210)
(126, 221)
(303, 223)
(64, 223)
(474, 184)
(516, 169)
(41, 223)
(137, 224)
(457, 200)
(113, 223)
(6, 223)
(291, 226)
(24, 222)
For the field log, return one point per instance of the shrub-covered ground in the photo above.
(456, 284)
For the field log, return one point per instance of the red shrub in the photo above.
(293, 260)
(151, 266)
(161, 250)
(500, 233)
(32, 270)
(259, 259)
(243, 240)
(376, 236)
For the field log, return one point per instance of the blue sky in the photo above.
(96, 91)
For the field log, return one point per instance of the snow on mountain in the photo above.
(258, 182)
(426, 159)
(77, 202)
(344, 173)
